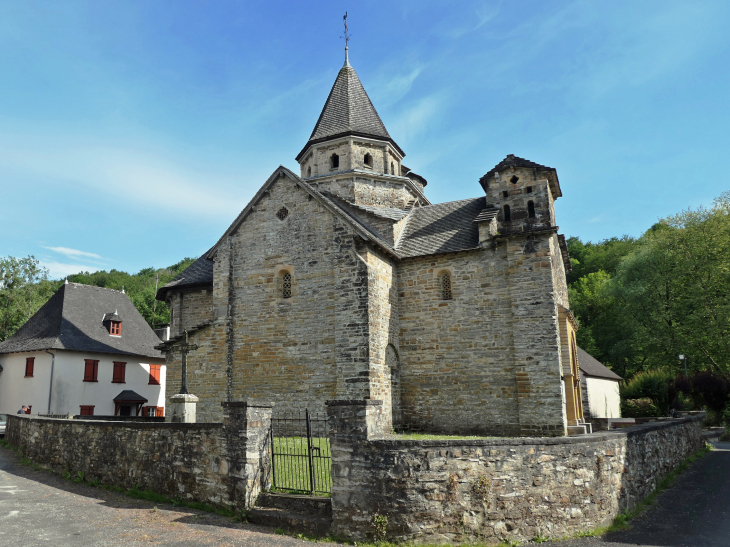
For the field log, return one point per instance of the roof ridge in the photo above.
(444, 203)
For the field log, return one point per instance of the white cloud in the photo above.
(60, 270)
(416, 119)
(72, 252)
(126, 174)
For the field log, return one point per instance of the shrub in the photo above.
(638, 408)
(712, 389)
(651, 384)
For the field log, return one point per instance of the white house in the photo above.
(87, 351)
(600, 388)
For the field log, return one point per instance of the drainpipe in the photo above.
(50, 387)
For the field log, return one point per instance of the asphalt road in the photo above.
(695, 512)
(38, 508)
(41, 509)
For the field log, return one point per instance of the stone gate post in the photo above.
(352, 425)
(246, 428)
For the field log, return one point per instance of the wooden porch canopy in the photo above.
(129, 397)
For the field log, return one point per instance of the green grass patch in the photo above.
(291, 465)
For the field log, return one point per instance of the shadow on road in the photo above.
(10, 463)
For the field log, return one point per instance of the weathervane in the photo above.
(347, 37)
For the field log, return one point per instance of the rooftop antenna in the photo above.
(347, 37)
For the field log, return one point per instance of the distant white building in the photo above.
(87, 351)
(601, 397)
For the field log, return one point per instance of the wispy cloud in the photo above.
(59, 270)
(416, 119)
(72, 252)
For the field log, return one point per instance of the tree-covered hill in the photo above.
(641, 302)
(25, 287)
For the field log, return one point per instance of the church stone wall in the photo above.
(493, 351)
(383, 321)
(299, 351)
(457, 355)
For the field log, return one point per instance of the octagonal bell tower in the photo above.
(351, 154)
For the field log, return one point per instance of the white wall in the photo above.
(69, 389)
(603, 398)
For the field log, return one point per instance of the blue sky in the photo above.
(132, 133)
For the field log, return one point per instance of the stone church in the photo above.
(345, 282)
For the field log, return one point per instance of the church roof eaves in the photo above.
(198, 274)
(362, 230)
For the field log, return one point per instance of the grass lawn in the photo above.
(291, 465)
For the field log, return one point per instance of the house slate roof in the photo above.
(72, 319)
(348, 111)
(129, 396)
(441, 228)
(592, 367)
(199, 273)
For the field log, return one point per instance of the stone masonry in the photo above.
(364, 254)
(491, 490)
(222, 464)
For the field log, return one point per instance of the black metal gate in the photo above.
(301, 462)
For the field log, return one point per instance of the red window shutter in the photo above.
(91, 369)
(29, 365)
(87, 410)
(119, 373)
(155, 375)
(160, 411)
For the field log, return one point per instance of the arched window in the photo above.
(368, 160)
(531, 209)
(286, 285)
(446, 286)
(309, 171)
(507, 216)
(392, 168)
(334, 161)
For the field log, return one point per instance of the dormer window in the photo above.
(334, 161)
(113, 323)
(368, 161)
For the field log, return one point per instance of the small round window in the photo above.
(282, 213)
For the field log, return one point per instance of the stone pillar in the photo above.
(246, 429)
(182, 408)
(352, 425)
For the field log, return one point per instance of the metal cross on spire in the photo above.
(347, 37)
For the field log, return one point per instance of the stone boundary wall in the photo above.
(489, 490)
(221, 464)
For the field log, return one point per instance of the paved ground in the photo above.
(695, 512)
(41, 509)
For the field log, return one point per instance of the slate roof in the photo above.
(72, 319)
(348, 111)
(592, 367)
(487, 215)
(441, 228)
(382, 212)
(129, 396)
(198, 274)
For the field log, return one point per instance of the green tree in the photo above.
(24, 288)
